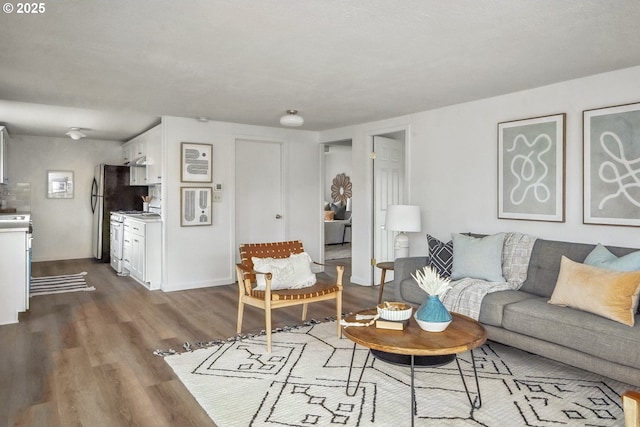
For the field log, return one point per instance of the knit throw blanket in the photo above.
(465, 295)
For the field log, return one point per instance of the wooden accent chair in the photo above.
(271, 299)
(631, 406)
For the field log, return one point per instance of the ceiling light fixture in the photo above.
(291, 119)
(75, 133)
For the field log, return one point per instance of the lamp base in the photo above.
(401, 245)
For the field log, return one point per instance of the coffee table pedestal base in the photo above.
(413, 362)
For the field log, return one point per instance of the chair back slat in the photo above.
(266, 250)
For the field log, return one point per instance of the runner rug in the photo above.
(303, 382)
(59, 284)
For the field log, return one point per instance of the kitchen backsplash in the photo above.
(16, 196)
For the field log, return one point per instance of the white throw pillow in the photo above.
(287, 273)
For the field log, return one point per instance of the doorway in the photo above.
(259, 206)
(388, 189)
(337, 200)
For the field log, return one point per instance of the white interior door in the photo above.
(388, 187)
(259, 192)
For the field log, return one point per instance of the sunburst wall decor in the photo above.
(341, 188)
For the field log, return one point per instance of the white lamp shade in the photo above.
(404, 218)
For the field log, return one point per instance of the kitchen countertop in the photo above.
(144, 216)
(14, 221)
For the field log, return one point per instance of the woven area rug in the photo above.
(302, 383)
(59, 284)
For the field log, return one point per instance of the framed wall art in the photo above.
(195, 206)
(611, 165)
(60, 184)
(531, 162)
(196, 162)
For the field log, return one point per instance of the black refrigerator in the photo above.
(111, 191)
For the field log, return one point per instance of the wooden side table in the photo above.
(384, 266)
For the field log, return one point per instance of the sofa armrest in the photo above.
(403, 268)
(406, 288)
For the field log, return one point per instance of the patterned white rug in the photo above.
(302, 383)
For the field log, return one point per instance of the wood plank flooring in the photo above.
(86, 358)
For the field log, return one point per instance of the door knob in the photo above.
(278, 216)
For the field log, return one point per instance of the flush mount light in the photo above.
(75, 133)
(291, 119)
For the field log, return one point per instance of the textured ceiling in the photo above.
(339, 62)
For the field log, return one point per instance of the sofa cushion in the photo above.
(608, 293)
(478, 258)
(440, 255)
(493, 304)
(602, 257)
(577, 329)
(544, 264)
(287, 273)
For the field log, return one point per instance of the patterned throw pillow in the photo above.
(440, 255)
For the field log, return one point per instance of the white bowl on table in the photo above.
(396, 311)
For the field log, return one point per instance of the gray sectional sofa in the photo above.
(524, 319)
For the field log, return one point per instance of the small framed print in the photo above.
(196, 162)
(195, 206)
(531, 169)
(60, 184)
(612, 165)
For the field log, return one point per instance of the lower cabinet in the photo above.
(141, 251)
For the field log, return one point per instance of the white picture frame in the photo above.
(60, 184)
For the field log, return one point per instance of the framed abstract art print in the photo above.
(611, 165)
(531, 168)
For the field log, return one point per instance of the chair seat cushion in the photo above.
(316, 290)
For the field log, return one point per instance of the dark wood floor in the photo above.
(86, 358)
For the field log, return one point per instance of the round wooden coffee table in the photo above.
(415, 347)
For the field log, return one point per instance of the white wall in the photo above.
(62, 227)
(452, 164)
(336, 160)
(205, 256)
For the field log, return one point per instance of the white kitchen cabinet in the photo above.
(4, 139)
(145, 157)
(14, 270)
(154, 156)
(141, 251)
(126, 154)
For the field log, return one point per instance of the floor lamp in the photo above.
(403, 219)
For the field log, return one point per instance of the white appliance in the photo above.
(116, 238)
(111, 192)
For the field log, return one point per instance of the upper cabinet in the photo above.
(4, 137)
(154, 156)
(143, 154)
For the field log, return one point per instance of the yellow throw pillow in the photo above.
(607, 293)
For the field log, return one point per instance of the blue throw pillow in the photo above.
(478, 258)
(440, 255)
(602, 257)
